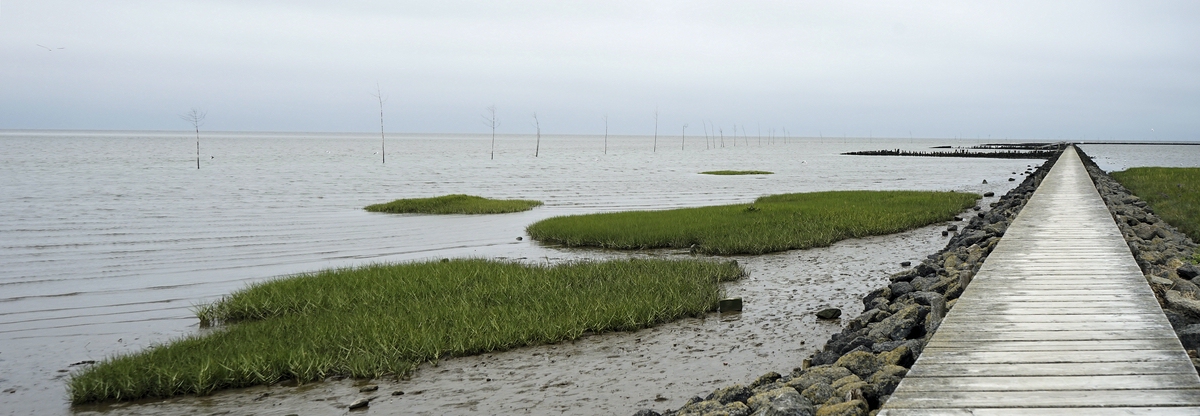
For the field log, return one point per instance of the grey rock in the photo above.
(788, 403)
(1185, 305)
(829, 313)
(765, 379)
(646, 412)
(734, 393)
(360, 403)
(861, 363)
(900, 289)
(989, 193)
(1188, 271)
(700, 408)
(818, 393)
(897, 326)
(1189, 336)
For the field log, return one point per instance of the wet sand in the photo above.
(615, 373)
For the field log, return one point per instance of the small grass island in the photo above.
(385, 319)
(770, 224)
(737, 172)
(454, 204)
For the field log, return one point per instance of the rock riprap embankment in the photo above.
(1162, 252)
(859, 367)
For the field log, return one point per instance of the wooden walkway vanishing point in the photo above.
(1058, 321)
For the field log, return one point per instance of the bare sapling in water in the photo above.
(196, 117)
(606, 134)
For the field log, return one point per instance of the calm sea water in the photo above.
(108, 239)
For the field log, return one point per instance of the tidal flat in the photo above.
(140, 236)
(618, 372)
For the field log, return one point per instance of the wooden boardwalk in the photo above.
(1058, 321)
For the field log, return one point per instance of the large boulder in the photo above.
(784, 401)
(734, 393)
(861, 363)
(897, 326)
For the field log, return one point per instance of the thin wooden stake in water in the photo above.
(492, 122)
(683, 137)
(538, 126)
(655, 131)
(606, 134)
(382, 139)
(196, 117)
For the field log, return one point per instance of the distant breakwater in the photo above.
(858, 368)
(1009, 154)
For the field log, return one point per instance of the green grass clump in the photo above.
(1173, 194)
(737, 172)
(454, 204)
(770, 224)
(381, 320)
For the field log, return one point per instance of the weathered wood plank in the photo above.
(1049, 411)
(1056, 398)
(1048, 357)
(1051, 383)
(1054, 369)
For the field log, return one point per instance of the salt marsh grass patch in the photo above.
(385, 319)
(770, 224)
(454, 204)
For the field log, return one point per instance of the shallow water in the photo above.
(108, 239)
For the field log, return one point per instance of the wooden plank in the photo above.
(1051, 383)
(1056, 398)
(1088, 345)
(1106, 336)
(922, 369)
(1049, 411)
(1031, 357)
(991, 326)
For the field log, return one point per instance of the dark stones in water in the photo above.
(952, 227)
(976, 208)
(730, 305)
(905, 263)
(366, 389)
(985, 194)
(520, 238)
(1011, 179)
(985, 181)
(829, 313)
(945, 233)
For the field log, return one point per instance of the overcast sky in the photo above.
(1035, 69)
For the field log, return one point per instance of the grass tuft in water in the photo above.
(454, 204)
(770, 224)
(1172, 193)
(384, 320)
(737, 172)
